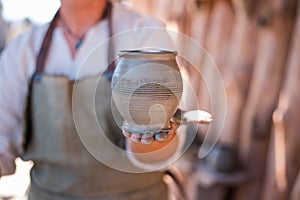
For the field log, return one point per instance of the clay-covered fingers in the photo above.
(148, 138)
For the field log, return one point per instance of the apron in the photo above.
(63, 167)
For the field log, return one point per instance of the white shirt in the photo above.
(17, 65)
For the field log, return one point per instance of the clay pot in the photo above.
(146, 89)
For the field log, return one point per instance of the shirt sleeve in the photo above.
(13, 91)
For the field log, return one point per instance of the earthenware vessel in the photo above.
(146, 89)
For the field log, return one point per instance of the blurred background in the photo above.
(255, 45)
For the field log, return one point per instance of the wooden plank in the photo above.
(295, 194)
(276, 20)
(284, 160)
(199, 25)
(237, 76)
(217, 42)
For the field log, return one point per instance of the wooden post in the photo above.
(217, 42)
(284, 160)
(238, 74)
(276, 20)
(295, 194)
(199, 25)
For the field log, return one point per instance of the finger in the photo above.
(126, 134)
(147, 138)
(135, 137)
(174, 126)
(161, 136)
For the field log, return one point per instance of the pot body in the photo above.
(146, 89)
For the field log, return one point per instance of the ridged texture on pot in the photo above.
(146, 89)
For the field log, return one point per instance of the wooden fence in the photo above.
(256, 46)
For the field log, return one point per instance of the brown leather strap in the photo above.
(41, 58)
(40, 65)
(111, 47)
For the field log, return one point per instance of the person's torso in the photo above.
(64, 166)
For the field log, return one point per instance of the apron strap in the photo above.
(42, 55)
(111, 47)
(40, 65)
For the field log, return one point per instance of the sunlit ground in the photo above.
(14, 187)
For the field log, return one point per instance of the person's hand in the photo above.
(149, 138)
(153, 148)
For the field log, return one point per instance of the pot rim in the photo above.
(146, 52)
